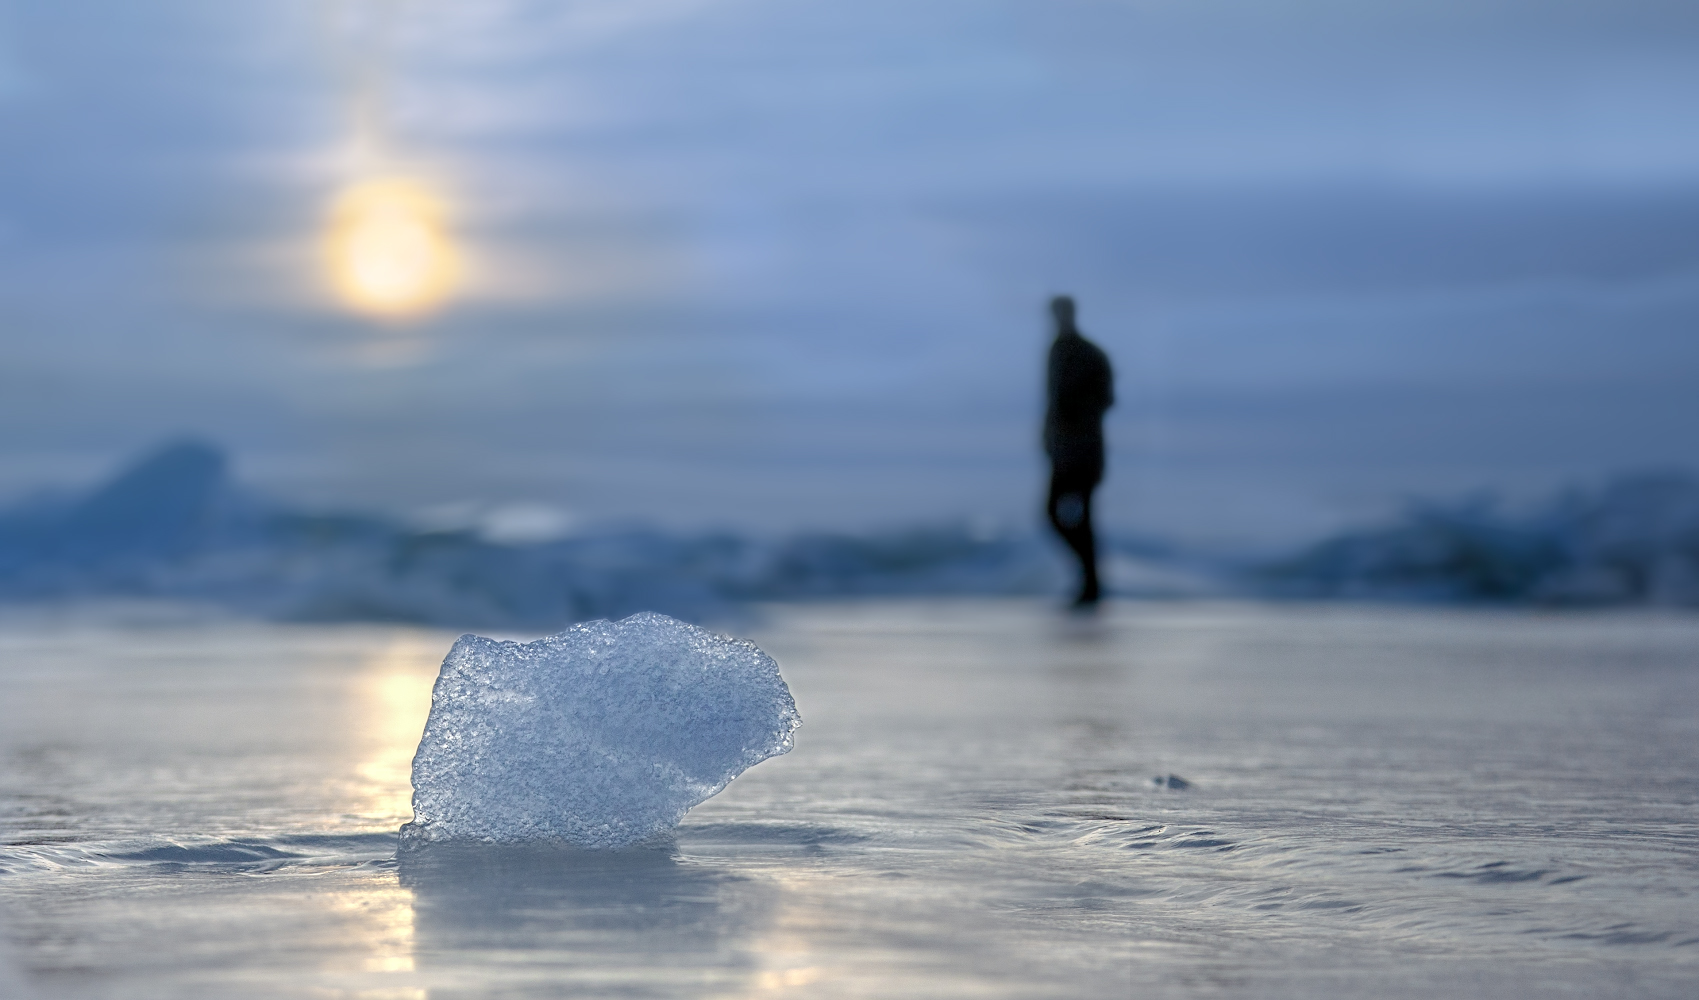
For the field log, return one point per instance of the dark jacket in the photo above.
(1081, 388)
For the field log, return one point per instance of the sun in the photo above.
(389, 250)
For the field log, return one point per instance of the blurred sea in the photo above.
(988, 798)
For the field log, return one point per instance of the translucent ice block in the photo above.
(601, 736)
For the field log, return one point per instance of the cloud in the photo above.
(743, 259)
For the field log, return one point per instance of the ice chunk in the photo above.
(601, 736)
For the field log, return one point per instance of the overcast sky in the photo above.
(774, 264)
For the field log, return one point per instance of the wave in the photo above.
(262, 854)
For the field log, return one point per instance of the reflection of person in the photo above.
(1081, 388)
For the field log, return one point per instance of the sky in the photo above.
(773, 265)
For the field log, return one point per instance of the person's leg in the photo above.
(1085, 546)
(1069, 510)
(1058, 489)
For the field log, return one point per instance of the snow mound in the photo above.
(602, 736)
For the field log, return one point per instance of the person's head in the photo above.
(1062, 307)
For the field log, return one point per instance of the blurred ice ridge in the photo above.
(1634, 540)
(602, 736)
(175, 526)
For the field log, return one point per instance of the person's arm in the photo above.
(1108, 384)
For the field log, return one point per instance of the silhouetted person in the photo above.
(1081, 387)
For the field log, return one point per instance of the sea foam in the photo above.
(601, 736)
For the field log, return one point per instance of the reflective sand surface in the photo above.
(1381, 802)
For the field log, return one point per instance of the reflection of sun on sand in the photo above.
(395, 692)
(389, 249)
(382, 914)
(390, 695)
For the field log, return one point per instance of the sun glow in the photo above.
(389, 249)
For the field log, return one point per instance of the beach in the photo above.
(988, 797)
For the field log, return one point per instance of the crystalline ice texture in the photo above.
(601, 736)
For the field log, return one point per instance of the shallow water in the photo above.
(1381, 802)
